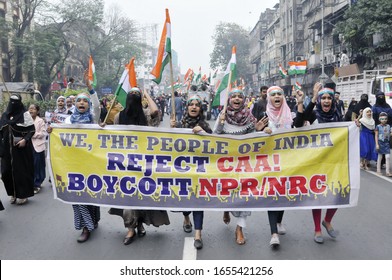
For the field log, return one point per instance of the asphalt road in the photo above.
(43, 230)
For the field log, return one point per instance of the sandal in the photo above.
(21, 201)
(239, 236)
(226, 217)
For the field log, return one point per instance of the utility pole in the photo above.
(323, 77)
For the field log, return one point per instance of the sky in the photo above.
(193, 22)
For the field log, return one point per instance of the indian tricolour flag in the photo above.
(127, 81)
(188, 74)
(282, 71)
(221, 92)
(297, 67)
(198, 76)
(164, 50)
(92, 76)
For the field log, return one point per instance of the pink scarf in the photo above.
(281, 117)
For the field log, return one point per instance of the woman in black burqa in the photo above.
(133, 114)
(17, 169)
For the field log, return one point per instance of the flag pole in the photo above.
(113, 101)
(227, 96)
(173, 113)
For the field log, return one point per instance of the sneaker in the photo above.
(281, 229)
(274, 241)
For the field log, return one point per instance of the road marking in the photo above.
(380, 176)
(189, 252)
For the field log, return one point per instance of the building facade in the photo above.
(297, 30)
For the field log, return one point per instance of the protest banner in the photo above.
(159, 168)
(52, 117)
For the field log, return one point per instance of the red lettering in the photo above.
(277, 186)
(249, 184)
(243, 162)
(262, 163)
(228, 185)
(207, 187)
(317, 184)
(221, 164)
(297, 185)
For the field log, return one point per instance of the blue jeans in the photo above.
(39, 168)
(198, 217)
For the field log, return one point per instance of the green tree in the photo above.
(362, 21)
(16, 33)
(50, 49)
(73, 30)
(225, 37)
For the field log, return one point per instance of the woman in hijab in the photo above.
(87, 111)
(350, 109)
(133, 114)
(381, 106)
(238, 120)
(194, 118)
(61, 107)
(366, 140)
(17, 169)
(362, 104)
(325, 112)
(279, 115)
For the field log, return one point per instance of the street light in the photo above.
(323, 77)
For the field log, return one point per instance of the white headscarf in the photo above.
(366, 121)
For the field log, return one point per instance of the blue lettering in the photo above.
(110, 183)
(75, 182)
(115, 159)
(94, 183)
(147, 186)
(124, 185)
(178, 164)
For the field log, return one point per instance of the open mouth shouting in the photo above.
(82, 105)
(236, 101)
(326, 102)
(277, 101)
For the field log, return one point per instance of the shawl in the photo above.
(241, 116)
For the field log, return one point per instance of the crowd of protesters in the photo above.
(23, 141)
